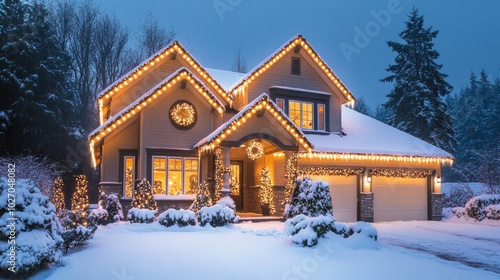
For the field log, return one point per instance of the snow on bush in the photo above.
(202, 197)
(455, 211)
(100, 216)
(227, 202)
(36, 230)
(364, 229)
(180, 218)
(136, 215)
(114, 208)
(216, 216)
(476, 207)
(79, 228)
(311, 198)
(493, 212)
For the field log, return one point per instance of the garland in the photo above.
(219, 173)
(329, 171)
(255, 150)
(400, 173)
(290, 176)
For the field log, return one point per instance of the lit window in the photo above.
(174, 176)
(281, 103)
(301, 113)
(321, 116)
(128, 176)
(159, 175)
(190, 176)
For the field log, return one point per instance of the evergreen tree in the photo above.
(202, 198)
(416, 101)
(382, 113)
(143, 196)
(266, 192)
(58, 196)
(80, 200)
(362, 107)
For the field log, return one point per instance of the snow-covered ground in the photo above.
(406, 250)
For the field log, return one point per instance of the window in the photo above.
(281, 103)
(295, 65)
(128, 176)
(321, 116)
(301, 113)
(175, 175)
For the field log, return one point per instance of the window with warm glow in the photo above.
(159, 175)
(301, 113)
(190, 176)
(321, 117)
(281, 103)
(175, 175)
(128, 176)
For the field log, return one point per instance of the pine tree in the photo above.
(79, 202)
(58, 196)
(219, 173)
(143, 196)
(202, 197)
(419, 86)
(266, 192)
(362, 107)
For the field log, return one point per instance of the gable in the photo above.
(148, 74)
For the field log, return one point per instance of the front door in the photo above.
(236, 183)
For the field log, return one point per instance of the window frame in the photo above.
(301, 113)
(167, 171)
(278, 100)
(323, 117)
(124, 153)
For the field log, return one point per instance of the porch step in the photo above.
(256, 218)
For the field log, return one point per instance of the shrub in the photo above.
(364, 229)
(143, 196)
(309, 198)
(475, 208)
(458, 197)
(307, 230)
(216, 216)
(100, 216)
(114, 208)
(202, 197)
(79, 229)
(492, 212)
(180, 218)
(136, 215)
(37, 230)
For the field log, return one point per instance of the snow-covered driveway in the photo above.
(476, 245)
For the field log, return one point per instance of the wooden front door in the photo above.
(236, 181)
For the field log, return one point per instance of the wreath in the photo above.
(183, 114)
(255, 150)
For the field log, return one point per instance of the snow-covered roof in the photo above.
(303, 90)
(225, 78)
(366, 135)
(235, 120)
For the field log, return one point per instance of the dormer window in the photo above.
(301, 113)
(295, 66)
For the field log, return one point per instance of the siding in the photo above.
(125, 139)
(280, 75)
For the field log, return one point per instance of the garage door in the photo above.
(343, 191)
(399, 199)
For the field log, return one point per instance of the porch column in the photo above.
(226, 161)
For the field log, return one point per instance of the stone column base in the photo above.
(366, 209)
(436, 206)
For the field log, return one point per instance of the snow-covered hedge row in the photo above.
(306, 230)
(136, 215)
(216, 216)
(180, 218)
(481, 207)
(311, 198)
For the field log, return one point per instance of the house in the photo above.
(177, 123)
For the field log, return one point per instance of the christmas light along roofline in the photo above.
(131, 110)
(135, 73)
(277, 55)
(376, 157)
(260, 103)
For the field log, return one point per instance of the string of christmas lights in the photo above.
(328, 171)
(219, 173)
(400, 173)
(80, 200)
(266, 192)
(373, 157)
(143, 196)
(58, 196)
(255, 150)
(290, 176)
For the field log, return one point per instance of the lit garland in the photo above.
(133, 75)
(255, 150)
(374, 157)
(266, 192)
(143, 196)
(183, 114)
(80, 199)
(261, 103)
(58, 196)
(328, 171)
(400, 173)
(299, 40)
(219, 173)
(120, 118)
(290, 176)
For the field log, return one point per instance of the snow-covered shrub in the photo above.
(364, 229)
(307, 230)
(202, 197)
(36, 231)
(114, 208)
(311, 198)
(475, 208)
(180, 218)
(228, 202)
(136, 215)
(492, 212)
(100, 216)
(216, 216)
(455, 211)
(79, 228)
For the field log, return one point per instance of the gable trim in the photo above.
(262, 102)
(281, 52)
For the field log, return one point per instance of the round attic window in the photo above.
(183, 115)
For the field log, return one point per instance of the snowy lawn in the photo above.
(262, 251)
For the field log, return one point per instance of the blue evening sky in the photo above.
(468, 39)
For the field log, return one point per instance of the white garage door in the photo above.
(343, 191)
(399, 199)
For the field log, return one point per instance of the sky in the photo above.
(350, 36)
